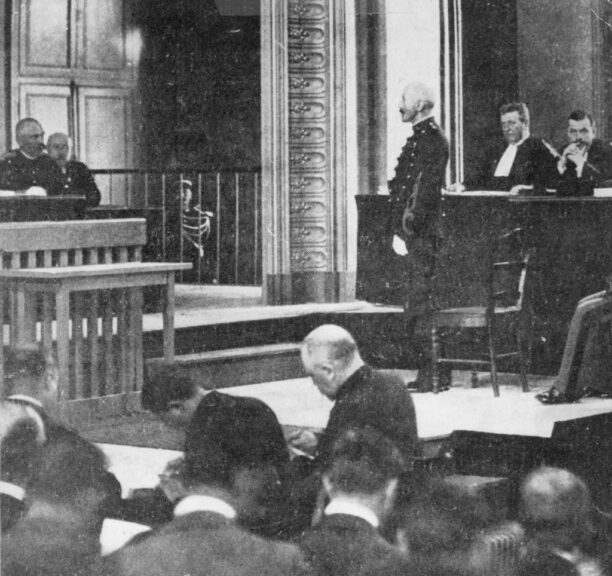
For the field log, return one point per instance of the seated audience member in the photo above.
(21, 437)
(362, 396)
(67, 494)
(586, 161)
(31, 379)
(438, 529)
(29, 166)
(77, 178)
(361, 480)
(222, 461)
(182, 404)
(560, 537)
(522, 163)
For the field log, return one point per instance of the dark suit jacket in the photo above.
(204, 543)
(598, 166)
(372, 398)
(419, 176)
(78, 179)
(20, 173)
(533, 164)
(343, 545)
(11, 510)
(49, 547)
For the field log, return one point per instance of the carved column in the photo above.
(314, 169)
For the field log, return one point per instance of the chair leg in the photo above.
(435, 356)
(474, 378)
(522, 361)
(493, 362)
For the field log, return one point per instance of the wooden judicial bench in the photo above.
(88, 277)
(571, 240)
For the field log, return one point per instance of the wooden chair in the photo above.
(505, 312)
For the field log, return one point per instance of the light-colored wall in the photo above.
(556, 63)
(4, 99)
(413, 54)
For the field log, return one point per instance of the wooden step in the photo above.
(239, 366)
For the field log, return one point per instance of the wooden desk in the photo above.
(22, 208)
(572, 238)
(57, 284)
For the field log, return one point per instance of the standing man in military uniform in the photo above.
(416, 191)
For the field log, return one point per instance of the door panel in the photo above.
(45, 37)
(103, 35)
(49, 104)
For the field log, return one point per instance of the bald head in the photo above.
(330, 356)
(417, 102)
(58, 147)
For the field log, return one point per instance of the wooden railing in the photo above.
(211, 219)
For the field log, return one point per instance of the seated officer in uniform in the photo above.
(77, 178)
(29, 166)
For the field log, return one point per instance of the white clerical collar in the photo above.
(341, 506)
(11, 489)
(200, 503)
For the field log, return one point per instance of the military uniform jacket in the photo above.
(419, 176)
(20, 173)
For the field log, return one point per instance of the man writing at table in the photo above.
(29, 166)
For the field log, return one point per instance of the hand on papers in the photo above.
(171, 480)
(302, 443)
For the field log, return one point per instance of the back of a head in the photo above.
(20, 441)
(164, 384)
(363, 461)
(32, 373)
(338, 343)
(554, 497)
(68, 467)
(230, 434)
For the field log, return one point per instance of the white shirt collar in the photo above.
(200, 503)
(341, 506)
(11, 489)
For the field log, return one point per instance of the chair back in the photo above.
(509, 261)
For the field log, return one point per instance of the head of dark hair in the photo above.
(442, 519)
(231, 433)
(67, 466)
(163, 384)
(578, 115)
(22, 362)
(363, 461)
(519, 107)
(19, 449)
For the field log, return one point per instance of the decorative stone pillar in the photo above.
(304, 111)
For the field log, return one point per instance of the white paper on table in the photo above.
(35, 191)
(399, 246)
(7, 193)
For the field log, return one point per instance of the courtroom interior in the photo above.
(306, 287)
